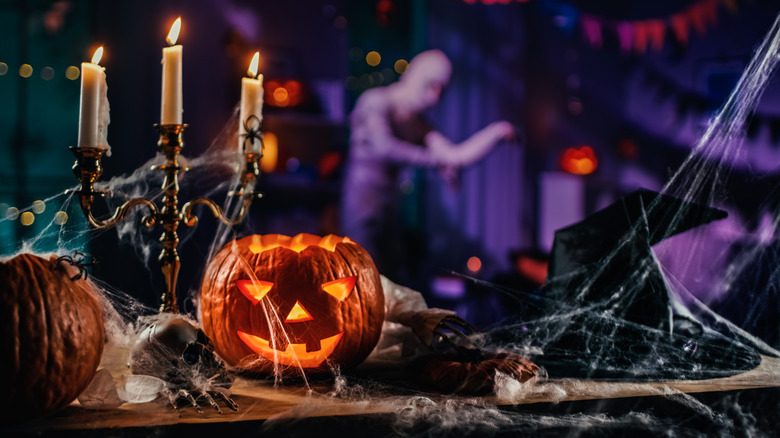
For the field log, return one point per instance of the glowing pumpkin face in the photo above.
(270, 302)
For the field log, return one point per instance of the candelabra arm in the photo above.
(216, 210)
(246, 191)
(88, 169)
(120, 213)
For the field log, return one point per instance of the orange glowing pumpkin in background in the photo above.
(277, 302)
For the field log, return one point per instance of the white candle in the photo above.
(92, 106)
(251, 105)
(171, 105)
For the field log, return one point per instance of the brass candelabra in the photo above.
(88, 169)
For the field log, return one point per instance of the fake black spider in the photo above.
(79, 260)
(252, 128)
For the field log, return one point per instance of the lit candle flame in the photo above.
(173, 35)
(98, 55)
(253, 65)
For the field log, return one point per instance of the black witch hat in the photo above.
(607, 260)
(608, 312)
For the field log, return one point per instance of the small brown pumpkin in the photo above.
(275, 302)
(51, 338)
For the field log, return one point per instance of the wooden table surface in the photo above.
(262, 400)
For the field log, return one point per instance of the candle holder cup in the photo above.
(88, 169)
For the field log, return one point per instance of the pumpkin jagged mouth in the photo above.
(294, 354)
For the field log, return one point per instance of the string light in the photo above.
(60, 218)
(25, 70)
(400, 66)
(72, 72)
(373, 58)
(38, 207)
(27, 218)
(12, 213)
(47, 73)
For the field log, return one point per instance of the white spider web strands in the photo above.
(210, 175)
(698, 179)
(591, 337)
(703, 175)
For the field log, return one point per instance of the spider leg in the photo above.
(61, 259)
(228, 401)
(82, 271)
(183, 393)
(462, 326)
(171, 399)
(210, 401)
(451, 336)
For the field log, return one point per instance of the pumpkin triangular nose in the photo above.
(298, 314)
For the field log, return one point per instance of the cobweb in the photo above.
(583, 330)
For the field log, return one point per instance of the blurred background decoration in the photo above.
(607, 96)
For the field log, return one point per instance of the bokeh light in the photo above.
(366, 80)
(270, 152)
(474, 264)
(60, 218)
(281, 96)
(579, 161)
(3, 68)
(293, 164)
(25, 70)
(400, 66)
(356, 53)
(284, 93)
(27, 218)
(38, 207)
(47, 73)
(388, 74)
(12, 213)
(351, 83)
(294, 92)
(373, 58)
(72, 73)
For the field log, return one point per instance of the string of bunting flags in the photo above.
(638, 34)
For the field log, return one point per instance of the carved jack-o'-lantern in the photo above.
(305, 302)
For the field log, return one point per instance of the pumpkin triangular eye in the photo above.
(254, 290)
(298, 314)
(341, 288)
